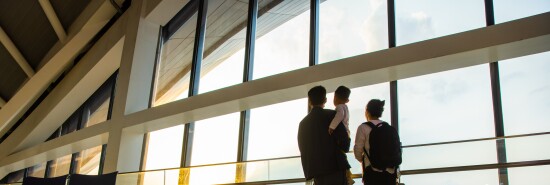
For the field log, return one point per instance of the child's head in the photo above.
(341, 95)
(375, 107)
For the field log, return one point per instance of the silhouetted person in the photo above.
(377, 147)
(323, 155)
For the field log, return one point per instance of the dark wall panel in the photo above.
(11, 75)
(68, 10)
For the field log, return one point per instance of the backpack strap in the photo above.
(372, 126)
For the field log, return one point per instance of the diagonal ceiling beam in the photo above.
(15, 53)
(54, 20)
(84, 28)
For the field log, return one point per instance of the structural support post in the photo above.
(314, 33)
(195, 78)
(497, 103)
(393, 84)
(133, 89)
(54, 20)
(15, 53)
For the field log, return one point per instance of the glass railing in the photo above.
(254, 171)
(523, 151)
(289, 169)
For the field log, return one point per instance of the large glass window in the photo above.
(507, 10)
(174, 67)
(351, 27)
(60, 166)
(426, 19)
(164, 148)
(215, 140)
(454, 178)
(446, 106)
(525, 86)
(87, 161)
(282, 37)
(274, 129)
(224, 44)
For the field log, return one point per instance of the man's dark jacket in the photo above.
(322, 153)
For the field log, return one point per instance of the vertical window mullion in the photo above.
(195, 77)
(393, 84)
(497, 102)
(314, 33)
(247, 76)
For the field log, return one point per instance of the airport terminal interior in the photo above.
(200, 92)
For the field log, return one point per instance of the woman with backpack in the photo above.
(377, 147)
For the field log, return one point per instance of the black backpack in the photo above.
(385, 146)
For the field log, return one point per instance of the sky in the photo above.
(446, 106)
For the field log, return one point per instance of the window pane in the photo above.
(60, 166)
(87, 161)
(164, 148)
(215, 140)
(224, 44)
(446, 106)
(528, 148)
(98, 114)
(37, 170)
(529, 175)
(525, 86)
(426, 19)
(274, 130)
(448, 155)
(173, 70)
(358, 100)
(351, 27)
(97, 106)
(282, 37)
(507, 10)
(485, 177)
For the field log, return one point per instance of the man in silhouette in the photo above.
(323, 154)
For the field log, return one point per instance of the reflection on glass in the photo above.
(60, 166)
(528, 148)
(224, 44)
(282, 37)
(97, 113)
(358, 100)
(173, 70)
(489, 177)
(507, 10)
(425, 19)
(529, 175)
(525, 86)
(215, 140)
(449, 155)
(87, 161)
(38, 170)
(351, 27)
(274, 129)
(164, 148)
(446, 106)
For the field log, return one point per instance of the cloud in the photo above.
(414, 27)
